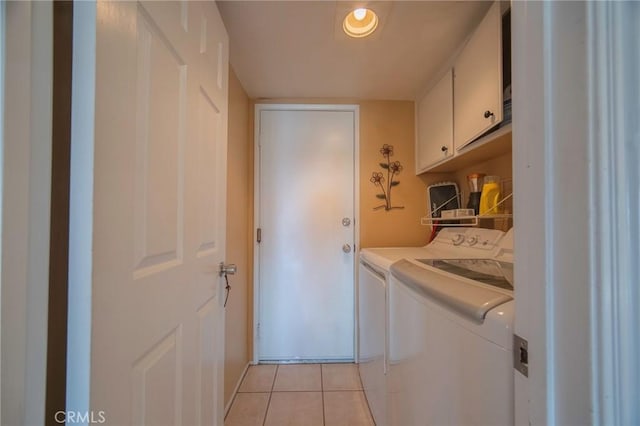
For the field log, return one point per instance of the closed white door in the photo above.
(148, 216)
(306, 216)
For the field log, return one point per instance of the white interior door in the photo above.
(154, 205)
(305, 270)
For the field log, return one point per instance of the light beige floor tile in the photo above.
(340, 377)
(298, 377)
(346, 409)
(248, 409)
(259, 378)
(295, 409)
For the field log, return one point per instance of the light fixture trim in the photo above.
(358, 28)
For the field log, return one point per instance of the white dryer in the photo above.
(373, 312)
(450, 339)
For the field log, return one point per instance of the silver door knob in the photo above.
(346, 248)
(227, 269)
(346, 221)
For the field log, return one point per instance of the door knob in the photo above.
(227, 269)
(346, 221)
(444, 148)
(346, 248)
(487, 114)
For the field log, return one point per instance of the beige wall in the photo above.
(239, 202)
(499, 166)
(391, 122)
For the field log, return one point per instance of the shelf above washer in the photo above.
(466, 220)
(491, 145)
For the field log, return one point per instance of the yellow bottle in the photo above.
(490, 196)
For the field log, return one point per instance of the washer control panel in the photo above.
(478, 238)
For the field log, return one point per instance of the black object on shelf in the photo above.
(443, 196)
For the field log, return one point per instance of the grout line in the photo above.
(373, 421)
(235, 395)
(275, 376)
(322, 387)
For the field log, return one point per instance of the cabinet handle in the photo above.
(487, 114)
(444, 148)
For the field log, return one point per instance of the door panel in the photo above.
(478, 81)
(172, 19)
(206, 391)
(157, 382)
(209, 124)
(214, 52)
(306, 189)
(435, 124)
(157, 214)
(160, 143)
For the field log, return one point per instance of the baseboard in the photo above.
(235, 390)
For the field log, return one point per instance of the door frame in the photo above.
(256, 207)
(26, 154)
(575, 155)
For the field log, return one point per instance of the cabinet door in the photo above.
(434, 140)
(478, 81)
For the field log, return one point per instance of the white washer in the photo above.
(373, 316)
(450, 340)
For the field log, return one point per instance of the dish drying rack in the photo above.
(474, 220)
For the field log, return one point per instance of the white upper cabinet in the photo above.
(434, 117)
(478, 81)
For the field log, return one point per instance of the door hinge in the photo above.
(259, 235)
(521, 355)
(258, 331)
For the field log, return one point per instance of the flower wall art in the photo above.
(386, 184)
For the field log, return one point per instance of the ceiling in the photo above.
(296, 49)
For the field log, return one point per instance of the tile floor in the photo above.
(300, 395)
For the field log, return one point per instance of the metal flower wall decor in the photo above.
(393, 168)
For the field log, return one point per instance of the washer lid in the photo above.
(487, 271)
(470, 301)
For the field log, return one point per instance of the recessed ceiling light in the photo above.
(359, 14)
(360, 22)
